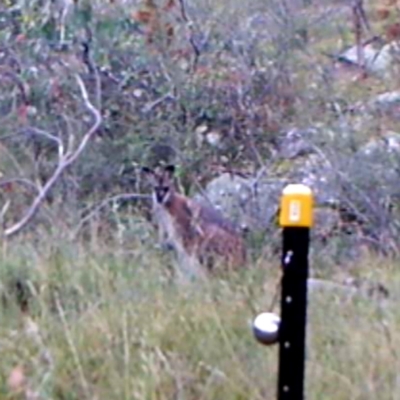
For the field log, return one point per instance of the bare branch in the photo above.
(47, 135)
(92, 67)
(152, 104)
(88, 135)
(65, 161)
(3, 211)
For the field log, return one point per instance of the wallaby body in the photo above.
(198, 233)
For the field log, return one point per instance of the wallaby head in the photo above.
(162, 182)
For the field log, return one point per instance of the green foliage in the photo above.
(148, 97)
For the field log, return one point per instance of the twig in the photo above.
(189, 25)
(92, 67)
(98, 120)
(67, 5)
(3, 211)
(149, 106)
(183, 10)
(22, 181)
(104, 203)
(359, 20)
(47, 135)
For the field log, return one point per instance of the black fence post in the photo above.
(296, 218)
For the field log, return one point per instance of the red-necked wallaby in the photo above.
(197, 232)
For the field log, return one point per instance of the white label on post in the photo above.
(294, 211)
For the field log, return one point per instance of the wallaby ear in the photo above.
(147, 171)
(170, 169)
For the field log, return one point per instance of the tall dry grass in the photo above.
(107, 326)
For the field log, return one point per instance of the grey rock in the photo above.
(385, 144)
(251, 204)
(354, 191)
(377, 60)
(387, 103)
(296, 143)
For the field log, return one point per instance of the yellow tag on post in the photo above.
(296, 206)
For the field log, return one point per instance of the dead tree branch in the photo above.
(64, 162)
(49, 136)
